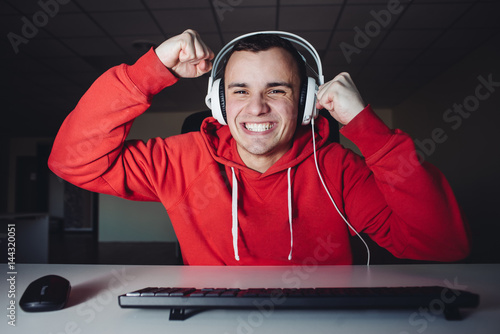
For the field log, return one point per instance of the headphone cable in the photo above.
(331, 198)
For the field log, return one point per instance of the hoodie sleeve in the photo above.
(90, 150)
(414, 213)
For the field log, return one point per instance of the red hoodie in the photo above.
(221, 210)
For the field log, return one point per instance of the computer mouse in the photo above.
(47, 293)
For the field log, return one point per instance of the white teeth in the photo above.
(258, 127)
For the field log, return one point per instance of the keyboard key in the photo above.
(214, 292)
(164, 292)
(198, 293)
(181, 292)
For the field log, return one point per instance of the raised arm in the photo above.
(408, 206)
(90, 150)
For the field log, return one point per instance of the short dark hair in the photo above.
(263, 42)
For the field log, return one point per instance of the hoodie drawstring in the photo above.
(290, 212)
(234, 211)
(234, 228)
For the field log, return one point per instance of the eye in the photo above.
(276, 91)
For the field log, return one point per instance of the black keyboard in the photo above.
(435, 298)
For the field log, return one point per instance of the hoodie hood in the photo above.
(223, 149)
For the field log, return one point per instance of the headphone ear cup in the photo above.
(222, 101)
(212, 100)
(302, 102)
(308, 93)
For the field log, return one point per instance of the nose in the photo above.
(257, 105)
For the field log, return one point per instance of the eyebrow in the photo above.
(237, 84)
(269, 85)
(279, 83)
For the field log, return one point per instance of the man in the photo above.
(249, 193)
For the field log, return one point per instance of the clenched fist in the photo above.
(186, 55)
(341, 98)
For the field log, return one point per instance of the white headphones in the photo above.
(215, 99)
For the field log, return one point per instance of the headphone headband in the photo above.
(285, 35)
(215, 87)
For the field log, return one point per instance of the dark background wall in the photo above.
(464, 114)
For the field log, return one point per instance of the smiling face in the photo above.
(262, 92)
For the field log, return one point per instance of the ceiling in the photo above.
(45, 70)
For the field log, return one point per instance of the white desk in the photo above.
(93, 305)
